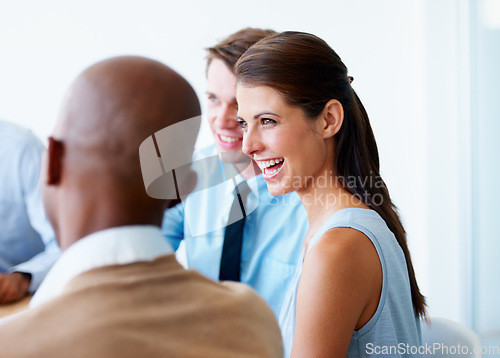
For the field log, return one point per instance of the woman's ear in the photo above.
(333, 117)
(54, 161)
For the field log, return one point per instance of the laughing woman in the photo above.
(354, 293)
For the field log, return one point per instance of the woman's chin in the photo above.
(277, 189)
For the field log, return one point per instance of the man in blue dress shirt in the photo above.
(274, 227)
(27, 244)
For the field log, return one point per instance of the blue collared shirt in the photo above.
(27, 241)
(273, 234)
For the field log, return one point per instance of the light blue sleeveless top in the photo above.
(394, 329)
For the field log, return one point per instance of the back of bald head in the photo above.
(113, 106)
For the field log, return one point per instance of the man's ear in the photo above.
(333, 117)
(54, 161)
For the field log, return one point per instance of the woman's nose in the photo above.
(252, 142)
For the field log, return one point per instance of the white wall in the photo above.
(447, 158)
(405, 56)
(486, 148)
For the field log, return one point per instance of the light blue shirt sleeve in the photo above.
(39, 265)
(173, 225)
(27, 241)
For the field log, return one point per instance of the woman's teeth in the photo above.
(228, 139)
(268, 163)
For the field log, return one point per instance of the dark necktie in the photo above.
(233, 238)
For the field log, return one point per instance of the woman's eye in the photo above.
(212, 98)
(242, 124)
(267, 121)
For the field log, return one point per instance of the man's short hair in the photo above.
(232, 47)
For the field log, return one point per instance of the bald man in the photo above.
(117, 290)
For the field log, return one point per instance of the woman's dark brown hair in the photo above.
(308, 73)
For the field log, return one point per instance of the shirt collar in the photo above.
(255, 183)
(114, 246)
